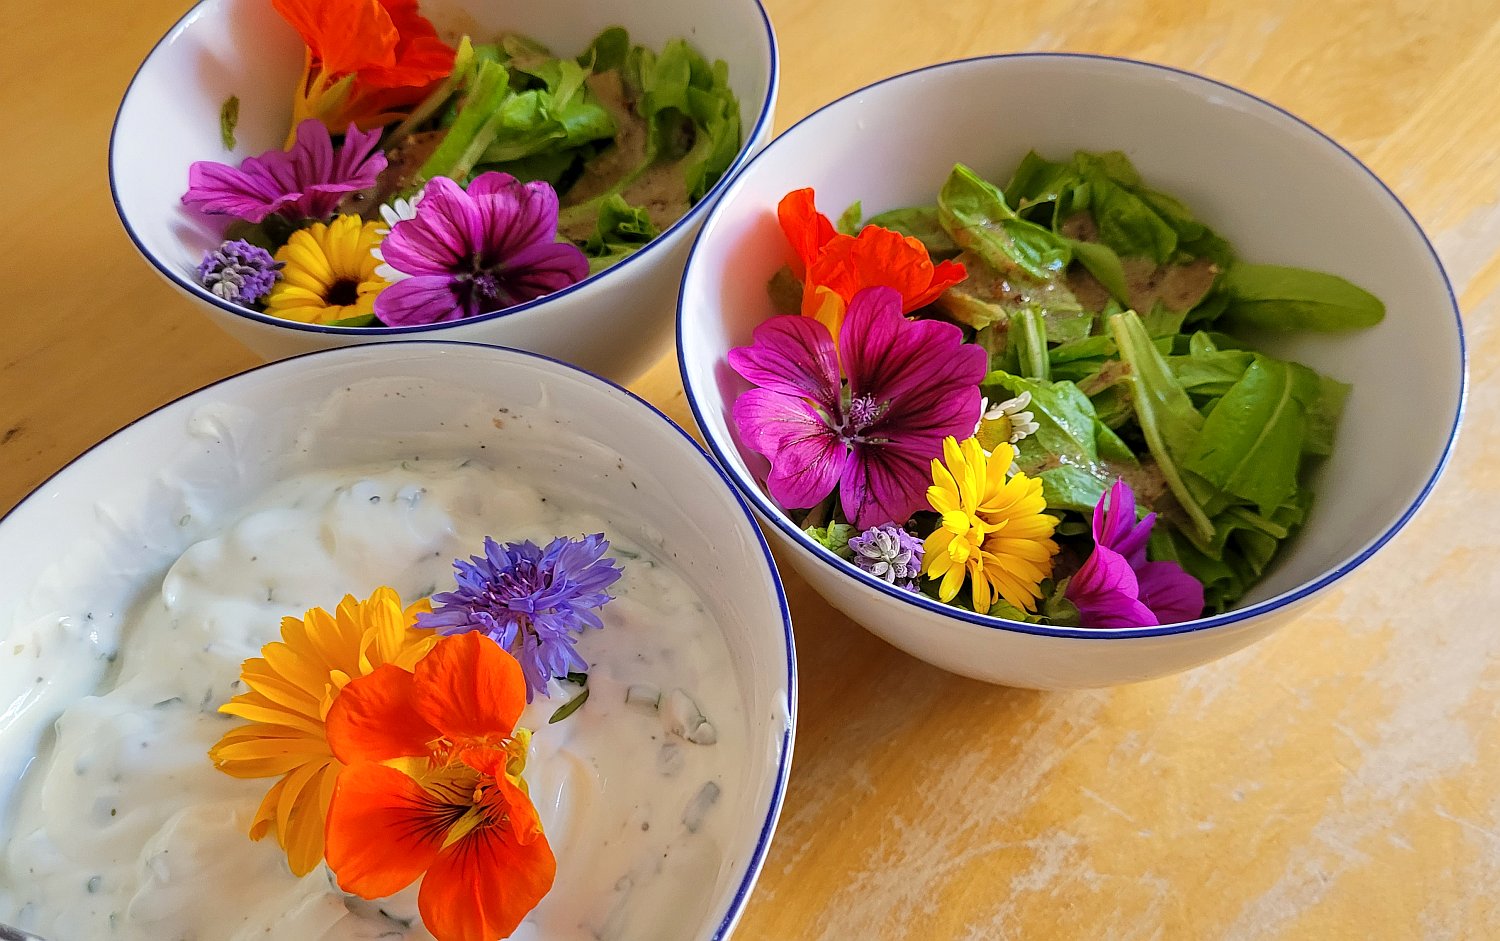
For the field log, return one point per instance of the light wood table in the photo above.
(1341, 780)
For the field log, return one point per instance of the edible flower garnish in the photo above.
(906, 385)
(368, 61)
(469, 253)
(530, 601)
(993, 528)
(1006, 423)
(329, 274)
(292, 686)
(433, 788)
(239, 272)
(307, 181)
(1117, 587)
(834, 267)
(889, 552)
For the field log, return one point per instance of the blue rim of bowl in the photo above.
(741, 160)
(757, 858)
(776, 517)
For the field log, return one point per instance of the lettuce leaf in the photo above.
(1272, 297)
(1064, 451)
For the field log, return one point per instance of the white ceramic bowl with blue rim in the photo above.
(616, 323)
(100, 534)
(1278, 189)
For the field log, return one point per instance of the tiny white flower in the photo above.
(1022, 422)
(397, 210)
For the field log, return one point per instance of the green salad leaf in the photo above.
(621, 231)
(1272, 297)
(1064, 451)
(921, 223)
(974, 213)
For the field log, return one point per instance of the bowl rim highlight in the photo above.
(755, 861)
(652, 248)
(774, 515)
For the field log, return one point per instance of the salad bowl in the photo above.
(615, 323)
(1277, 189)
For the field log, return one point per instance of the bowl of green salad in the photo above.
(316, 174)
(1065, 371)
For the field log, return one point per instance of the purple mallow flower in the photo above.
(1117, 587)
(910, 383)
(890, 553)
(476, 252)
(530, 601)
(239, 272)
(307, 182)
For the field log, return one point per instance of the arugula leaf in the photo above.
(1167, 418)
(1063, 452)
(922, 224)
(974, 213)
(1127, 223)
(1272, 297)
(1323, 414)
(1101, 261)
(1038, 180)
(1029, 333)
(1250, 445)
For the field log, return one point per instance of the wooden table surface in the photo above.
(1341, 780)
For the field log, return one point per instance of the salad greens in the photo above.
(630, 138)
(1118, 313)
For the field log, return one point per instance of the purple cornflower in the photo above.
(891, 553)
(307, 182)
(873, 433)
(1117, 587)
(239, 272)
(477, 252)
(530, 601)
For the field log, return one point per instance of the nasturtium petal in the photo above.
(469, 689)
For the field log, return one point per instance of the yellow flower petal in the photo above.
(329, 272)
(995, 531)
(291, 686)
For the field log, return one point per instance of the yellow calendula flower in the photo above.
(291, 687)
(329, 272)
(992, 531)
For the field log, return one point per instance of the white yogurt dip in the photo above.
(121, 827)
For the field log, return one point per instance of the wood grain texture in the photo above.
(1341, 780)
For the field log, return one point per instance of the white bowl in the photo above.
(616, 323)
(1279, 190)
(87, 544)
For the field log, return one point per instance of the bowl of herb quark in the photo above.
(1101, 370)
(316, 173)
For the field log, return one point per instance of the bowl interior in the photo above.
(170, 115)
(1278, 190)
(89, 542)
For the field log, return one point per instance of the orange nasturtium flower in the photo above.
(292, 685)
(368, 61)
(433, 786)
(834, 267)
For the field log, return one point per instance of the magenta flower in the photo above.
(307, 182)
(1117, 587)
(476, 252)
(872, 434)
